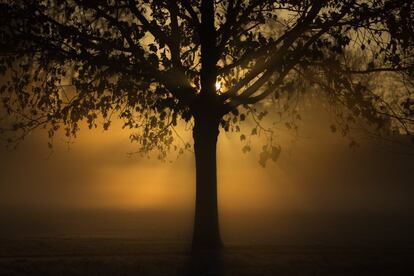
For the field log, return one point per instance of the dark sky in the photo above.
(319, 190)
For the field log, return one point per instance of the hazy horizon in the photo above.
(319, 191)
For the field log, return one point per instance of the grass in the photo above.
(104, 256)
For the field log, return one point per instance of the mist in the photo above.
(320, 191)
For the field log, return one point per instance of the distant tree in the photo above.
(154, 62)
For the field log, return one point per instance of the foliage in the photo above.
(155, 62)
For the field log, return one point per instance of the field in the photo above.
(106, 256)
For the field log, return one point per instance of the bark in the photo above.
(206, 129)
(206, 233)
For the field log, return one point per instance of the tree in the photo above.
(155, 62)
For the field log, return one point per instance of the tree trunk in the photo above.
(206, 233)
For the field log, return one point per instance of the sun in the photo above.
(218, 86)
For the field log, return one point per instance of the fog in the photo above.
(319, 191)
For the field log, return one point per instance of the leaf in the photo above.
(264, 156)
(106, 125)
(152, 47)
(276, 153)
(246, 149)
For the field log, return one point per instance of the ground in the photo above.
(105, 256)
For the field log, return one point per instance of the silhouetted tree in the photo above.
(153, 62)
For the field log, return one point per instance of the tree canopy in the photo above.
(154, 62)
